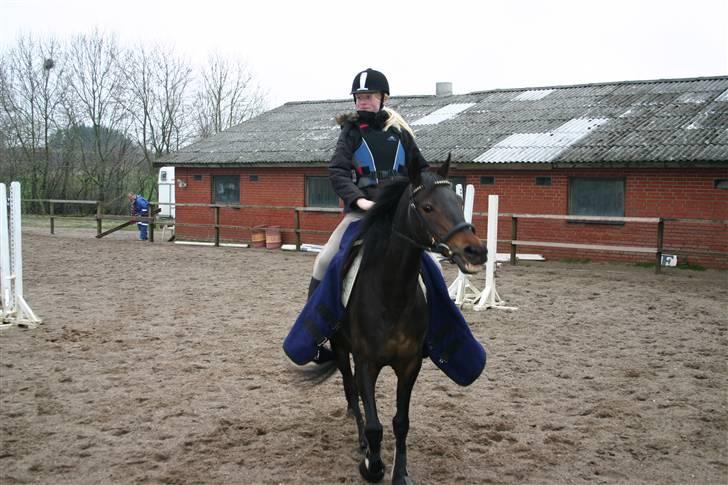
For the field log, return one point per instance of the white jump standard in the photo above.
(462, 291)
(14, 308)
(490, 298)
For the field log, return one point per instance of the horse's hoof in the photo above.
(373, 476)
(402, 481)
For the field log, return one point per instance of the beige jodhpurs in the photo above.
(332, 245)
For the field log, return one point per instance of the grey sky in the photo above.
(311, 50)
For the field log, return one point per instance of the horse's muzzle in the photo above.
(468, 252)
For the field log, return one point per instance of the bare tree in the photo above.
(96, 91)
(157, 99)
(226, 97)
(86, 119)
(31, 91)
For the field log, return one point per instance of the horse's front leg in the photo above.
(371, 467)
(352, 396)
(406, 377)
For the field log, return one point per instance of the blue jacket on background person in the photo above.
(139, 206)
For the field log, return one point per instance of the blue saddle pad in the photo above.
(449, 342)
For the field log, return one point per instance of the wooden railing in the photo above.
(99, 217)
(514, 241)
(657, 250)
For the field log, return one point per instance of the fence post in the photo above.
(514, 236)
(98, 218)
(217, 226)
(660, 235)
(151, 222)
(297, 223)
(53, 222)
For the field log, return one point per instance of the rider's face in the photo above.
(368, 101)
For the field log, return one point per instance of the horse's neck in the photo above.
(402, 257)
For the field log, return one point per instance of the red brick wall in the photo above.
(666, 193)
(273, 187)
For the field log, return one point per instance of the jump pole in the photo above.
(462, 291)
(15, 310)
(489, 298)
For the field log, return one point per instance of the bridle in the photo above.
(438, 244)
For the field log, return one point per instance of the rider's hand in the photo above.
(364, 204)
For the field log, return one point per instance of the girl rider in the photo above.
(375, 144)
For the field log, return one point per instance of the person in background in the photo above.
(139, 206)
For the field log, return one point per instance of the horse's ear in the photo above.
(414, 172)
(442, 171)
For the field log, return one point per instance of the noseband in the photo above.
(438, 244)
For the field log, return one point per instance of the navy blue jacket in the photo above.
(345, 174)
(140, 206)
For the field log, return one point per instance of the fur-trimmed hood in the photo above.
(384, 119)
(349, 117)
(353, 118)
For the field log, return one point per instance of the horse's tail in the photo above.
(315, 375)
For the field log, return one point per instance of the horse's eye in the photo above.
(427, 208)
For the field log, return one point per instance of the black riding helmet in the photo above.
(370, 81)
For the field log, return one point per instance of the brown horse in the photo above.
(387, 316)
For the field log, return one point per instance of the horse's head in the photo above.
(436, 212)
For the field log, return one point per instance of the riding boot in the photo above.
(312, 287)
(324, 354)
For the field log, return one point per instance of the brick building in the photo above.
(637, 149)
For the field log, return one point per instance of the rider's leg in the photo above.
(332, 246)
(319, 270)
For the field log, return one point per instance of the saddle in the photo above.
(449, 342)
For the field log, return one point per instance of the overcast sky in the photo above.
(307, 50)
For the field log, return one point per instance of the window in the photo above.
(226, 189)
(487, 180)
(198, 177)
(253, 178)
(319, 193)
(721, 183)
(596, 196)
(543, 181)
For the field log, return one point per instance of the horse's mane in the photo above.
(376, 227)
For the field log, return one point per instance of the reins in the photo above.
(438, 244)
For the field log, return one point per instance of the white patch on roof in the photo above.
(533, 95)
(698, 121)
(540, 147)
(723, 96)
(445, 113)
(696, 98)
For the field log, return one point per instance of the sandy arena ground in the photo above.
(162, 363)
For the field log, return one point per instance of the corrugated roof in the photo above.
(674, 120)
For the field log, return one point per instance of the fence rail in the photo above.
(514, 241)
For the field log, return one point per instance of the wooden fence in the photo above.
(514, 241)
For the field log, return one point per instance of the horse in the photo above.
(386, 320)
